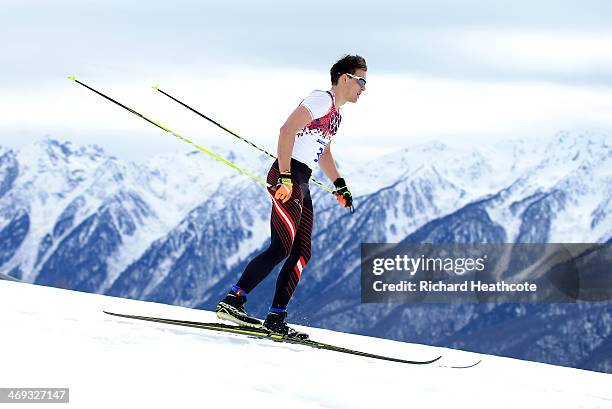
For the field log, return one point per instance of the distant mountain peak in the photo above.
(64, 149)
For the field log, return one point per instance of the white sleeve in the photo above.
(318, 103)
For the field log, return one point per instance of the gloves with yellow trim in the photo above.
(343, 194)
(284, 187)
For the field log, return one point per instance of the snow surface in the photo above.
(60, 338)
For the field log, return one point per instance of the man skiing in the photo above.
(304, 142)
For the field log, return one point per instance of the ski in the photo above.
(262, 333)
(462, 367)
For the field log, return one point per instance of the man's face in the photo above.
(353, 89)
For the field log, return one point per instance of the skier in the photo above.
(304, 141)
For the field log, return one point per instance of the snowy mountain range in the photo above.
(178, 229)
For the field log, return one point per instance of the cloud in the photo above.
(396, 111)
(561, 41)
(437, 69)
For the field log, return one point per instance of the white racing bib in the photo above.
(310, 141)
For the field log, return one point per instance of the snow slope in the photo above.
(61, 338)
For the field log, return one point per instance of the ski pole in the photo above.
(182, 138)
(156, 88)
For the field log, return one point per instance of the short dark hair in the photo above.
(347, 64)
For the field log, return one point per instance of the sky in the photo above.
(461, 72)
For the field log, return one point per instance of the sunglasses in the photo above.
(360, 80)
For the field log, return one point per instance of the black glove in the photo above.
(343, 194)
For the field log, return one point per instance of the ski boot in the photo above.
(231, 308)
(275, 323)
